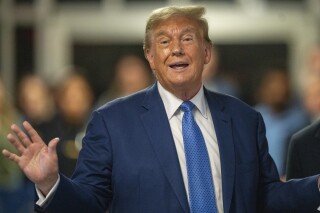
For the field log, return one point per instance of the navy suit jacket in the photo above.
(304, 152)
(129, 163)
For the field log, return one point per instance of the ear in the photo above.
(150, 58)
(207, 53)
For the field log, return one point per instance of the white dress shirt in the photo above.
(203, 118)
(42, 201)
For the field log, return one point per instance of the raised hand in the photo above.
(38, 161)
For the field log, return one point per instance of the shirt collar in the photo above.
(172, 103)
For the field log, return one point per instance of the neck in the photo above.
(184, 93)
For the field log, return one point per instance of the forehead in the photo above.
(176, 24)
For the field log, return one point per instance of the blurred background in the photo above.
(48, 36)
(59, 59)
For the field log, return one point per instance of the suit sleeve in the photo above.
(89, 189)
(275, 196)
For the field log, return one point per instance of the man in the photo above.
(304, 152)
(304, 147)
(133, 156)
(281, 113)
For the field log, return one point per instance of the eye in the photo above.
(164, 42)
(187, 39)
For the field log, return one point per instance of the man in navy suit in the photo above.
(133, 158)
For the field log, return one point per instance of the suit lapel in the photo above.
(156, 123)
(223, 127)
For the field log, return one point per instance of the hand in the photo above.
(38, 161)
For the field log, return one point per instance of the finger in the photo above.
(21, 135)
(11, 155)
(52, 146)
(16, 143)
(32, 132)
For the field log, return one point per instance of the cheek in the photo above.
(166, 52)
(161, 56)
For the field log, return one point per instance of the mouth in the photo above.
(180, 65)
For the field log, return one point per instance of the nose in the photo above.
(177, 48)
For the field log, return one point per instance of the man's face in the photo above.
(178, 53)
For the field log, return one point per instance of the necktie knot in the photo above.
(187, 106)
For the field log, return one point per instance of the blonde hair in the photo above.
(161, 14)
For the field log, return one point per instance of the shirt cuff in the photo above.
(43, 200)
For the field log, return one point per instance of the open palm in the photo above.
(38, 161)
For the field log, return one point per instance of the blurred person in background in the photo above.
(304, 147)
(74, 97)
(311, 96)
(282, 114)
(16, 195)
(217, 81)
(36, 104)
(131, 75)
(313, 60)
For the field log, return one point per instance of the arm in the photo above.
(275, 196)
(89, 190)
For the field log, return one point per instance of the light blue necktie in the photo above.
(201, 189)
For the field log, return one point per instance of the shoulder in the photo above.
(307, 133)
(123, 103)
(230, 105)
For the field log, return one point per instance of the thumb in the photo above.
(52, 146)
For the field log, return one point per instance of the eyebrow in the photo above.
(188, 29)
